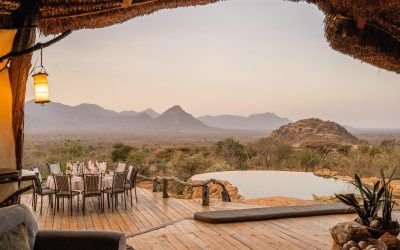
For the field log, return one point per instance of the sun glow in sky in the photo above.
(233, 57)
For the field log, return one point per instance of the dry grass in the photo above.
(184, 156)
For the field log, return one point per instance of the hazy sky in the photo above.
(233, 57)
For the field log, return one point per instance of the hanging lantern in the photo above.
(41, 84)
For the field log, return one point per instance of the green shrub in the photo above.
(120, 152)
(283, 152)
(219, 167)
(308, 159)
(344, 149)
(233, 152)
(137, 157)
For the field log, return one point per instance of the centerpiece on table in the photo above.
(69, 168)
(374, 219)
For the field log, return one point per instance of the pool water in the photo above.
(262, 184)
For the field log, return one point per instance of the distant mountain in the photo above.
(151, 112)
(86, 118)
(262, 122)
(129, 113)
(313, 130)
(177, 119)
(148, 111)
(59, 117)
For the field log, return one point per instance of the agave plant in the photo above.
(372, 200)
(388, 203)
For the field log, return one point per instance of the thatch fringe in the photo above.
(82, 2)
(366, 30)
(7, 6)
(385, 13)
(50, 25)
(64, 9)
(388, 9)
(373, 44)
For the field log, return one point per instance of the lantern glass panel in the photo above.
(41, 85)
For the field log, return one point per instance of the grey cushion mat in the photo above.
(12, 216)
(270, 213)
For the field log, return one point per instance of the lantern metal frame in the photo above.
(42, 70)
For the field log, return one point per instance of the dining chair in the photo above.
(38, 190)
(92, 186)
(43, 185)
(117, 188)
(131, 181)
(64, 190)
(54, 169)
(102, 166)
(120, 167)
(37, 171)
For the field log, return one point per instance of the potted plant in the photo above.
(373, 199)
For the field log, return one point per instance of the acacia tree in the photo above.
(323, 148)
(233, 152)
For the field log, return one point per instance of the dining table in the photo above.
(78, 184)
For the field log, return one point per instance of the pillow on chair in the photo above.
(17, 225)
(15, 238)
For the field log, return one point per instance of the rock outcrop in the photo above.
(313, 130)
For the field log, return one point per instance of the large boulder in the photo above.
(314, 131)
(344, 232)
(215, 191)
(391, 241)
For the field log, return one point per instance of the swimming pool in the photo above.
(262, 184)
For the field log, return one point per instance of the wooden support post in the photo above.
(19, 71)
(25, 15)
(7, 141)
(165, 188)
(13, 78)
(155, 185)
(206, 195)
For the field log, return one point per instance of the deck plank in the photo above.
(157, 223)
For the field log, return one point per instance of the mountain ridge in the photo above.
(84, 118)
(264, 121)
(177, 119)
(87, 117)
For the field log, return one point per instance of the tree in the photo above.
(388, 144)
(321, 147)
(344, 149)
(308, 158)
(120, 152)
(233, 152)
(264, 148)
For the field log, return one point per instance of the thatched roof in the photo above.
(60, 15)
(366, 30)
(372, 44)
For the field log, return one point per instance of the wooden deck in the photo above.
(157, 223)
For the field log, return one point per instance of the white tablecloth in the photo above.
(77, 182)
